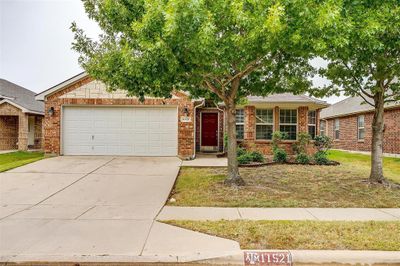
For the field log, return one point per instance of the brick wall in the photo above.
(9, 132)
(38, 135)
(75, 95)
(348, 139)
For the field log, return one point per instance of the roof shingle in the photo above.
(20, 96)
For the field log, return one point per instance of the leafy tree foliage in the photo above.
(361, 41)
(224, 49)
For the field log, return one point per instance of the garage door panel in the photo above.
(120, 131)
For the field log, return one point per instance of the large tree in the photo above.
(226, 49)
(361, 41)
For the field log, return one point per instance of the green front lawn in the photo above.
(290, 186)
(15, 159)
(302, 234)
(391, 166)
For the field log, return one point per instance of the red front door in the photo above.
(209, 129)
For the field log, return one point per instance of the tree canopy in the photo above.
(150, 47)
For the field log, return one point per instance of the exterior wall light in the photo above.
(51, 111)
(185, 111)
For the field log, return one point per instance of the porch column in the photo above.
(23, 124)
(249, 123)
(303, 119)
(276, 118)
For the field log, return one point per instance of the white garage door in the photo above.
(135, 131)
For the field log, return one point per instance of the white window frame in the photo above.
(290, 124)
(240, 123)
(322, 132)
(265, 124)
(336, 128)
(359, 127)
(315, 122)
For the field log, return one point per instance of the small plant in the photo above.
(277, 138)
(240, 151)
(301, 145)
(257, 156)
(322, 143)
(225, 142)
(321, 158)
(245, 158)
(302, 158)
(280, 155)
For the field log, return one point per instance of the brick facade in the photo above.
(265, 146)
(9, 132)
(348, 139)
(14, 128)
(90, 92)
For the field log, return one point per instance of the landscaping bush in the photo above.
(240, 151)
(321, 158)
(280, 155)
(301, 145)
(257, 156)
(322, 143)
(245, 158)
(277, 138)
(302, 158)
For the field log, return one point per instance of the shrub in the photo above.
(277, 138)
(280, 155)
(240, 151)
(257, 156)
(301, 145)
(321, 158)
(225, 142)
(302, 158)
(322, 143)
(245, 158)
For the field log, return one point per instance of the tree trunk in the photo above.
(377, 140)
(234, 177)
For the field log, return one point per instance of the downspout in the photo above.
(195, 127)
(224, 126)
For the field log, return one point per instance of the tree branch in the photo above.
(248, 69)
(214, 89)
(357, 81)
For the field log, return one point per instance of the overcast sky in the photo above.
(35, 42)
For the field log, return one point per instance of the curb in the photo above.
(325, 257)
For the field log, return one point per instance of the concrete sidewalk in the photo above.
(316, 214)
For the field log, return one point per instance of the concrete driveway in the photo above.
(81, 208)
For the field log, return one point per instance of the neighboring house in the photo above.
(349, 124)
(83, 118)
(21, 118)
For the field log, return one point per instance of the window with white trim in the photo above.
(361, 127)
(312, 123)
(288, 123)
(264, 124)
(240, 124)
(322, 126)
(336, 128)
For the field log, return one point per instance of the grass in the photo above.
(391, 166)
(284, 186)
(302, 234)
(15, 159)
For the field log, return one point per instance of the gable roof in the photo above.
(20, 97)
(286, 98)
(41, 96)
(275, 98)
(348, 106)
